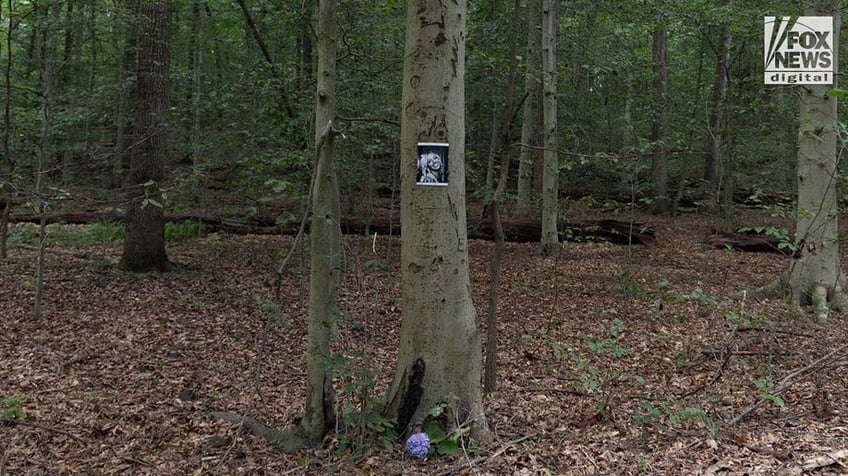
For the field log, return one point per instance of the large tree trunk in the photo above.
(144, 244)
(661, 120)
(324, 239)
(814, 274)
(716, 123)
(549, 244)
(532, 121)
(439, 358)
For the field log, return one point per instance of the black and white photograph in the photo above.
(432, 163)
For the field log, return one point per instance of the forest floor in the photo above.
(612, 360)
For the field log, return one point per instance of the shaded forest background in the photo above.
(242, 93)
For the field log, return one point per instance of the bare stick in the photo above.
(787, 382)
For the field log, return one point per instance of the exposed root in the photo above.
(822, 299)
(286, 441)
(772, 290)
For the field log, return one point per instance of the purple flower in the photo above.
(418, 445)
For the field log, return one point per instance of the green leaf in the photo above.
(837, 93)
(436, 434)
(150, 201)
(447, 448)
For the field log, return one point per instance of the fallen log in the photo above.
(517, 230)
(752, 243)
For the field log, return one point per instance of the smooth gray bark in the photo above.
(439, 356)
(814, 274)
(325, 239)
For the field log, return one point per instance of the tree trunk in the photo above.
(549, 244)
(531, 124)
(8, 192)
(324, 239)
(661, 120)
(144, 243)
(439, 358)
(502, 146)
(198, 40)
(716, 122)
(126, 18)
(47, 64)
(305, 39)
(814, 274)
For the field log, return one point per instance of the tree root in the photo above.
(772, 290)
(287, 441)
(820, 297)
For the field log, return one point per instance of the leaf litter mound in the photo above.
(612, 360)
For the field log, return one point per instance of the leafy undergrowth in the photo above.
(613, 360)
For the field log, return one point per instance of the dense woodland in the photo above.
(241, 96)
(202, 203)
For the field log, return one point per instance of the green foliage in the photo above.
(93, 234)
(361, 422)
(11, 408)
(441, 444)
(594, 380)
(781, 234)
(109, 232)
(629, 285)
(671, 414)
(610, 344)
(745, 317)
(377, 266)
(450, 443)
(700, 298)
(185, 230)
(766, 391)
(21, 235)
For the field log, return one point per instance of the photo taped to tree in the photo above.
(432, 163)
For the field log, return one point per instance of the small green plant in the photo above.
(361, 423)
(672, 414)
(610, 344)
(451, 443)
(784, 243)
(700, 298)
(185, 230)
(22, 235)
(272, 311)
(629, 285)
(11, 409)
(377, 266)
(766, 391)
(745, 317)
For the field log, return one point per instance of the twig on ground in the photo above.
(4, 454)
(777, 331)
(259, 429)
(787, 382)
(60, 368)
(47, 428)
(833, 458)
(726, 353)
